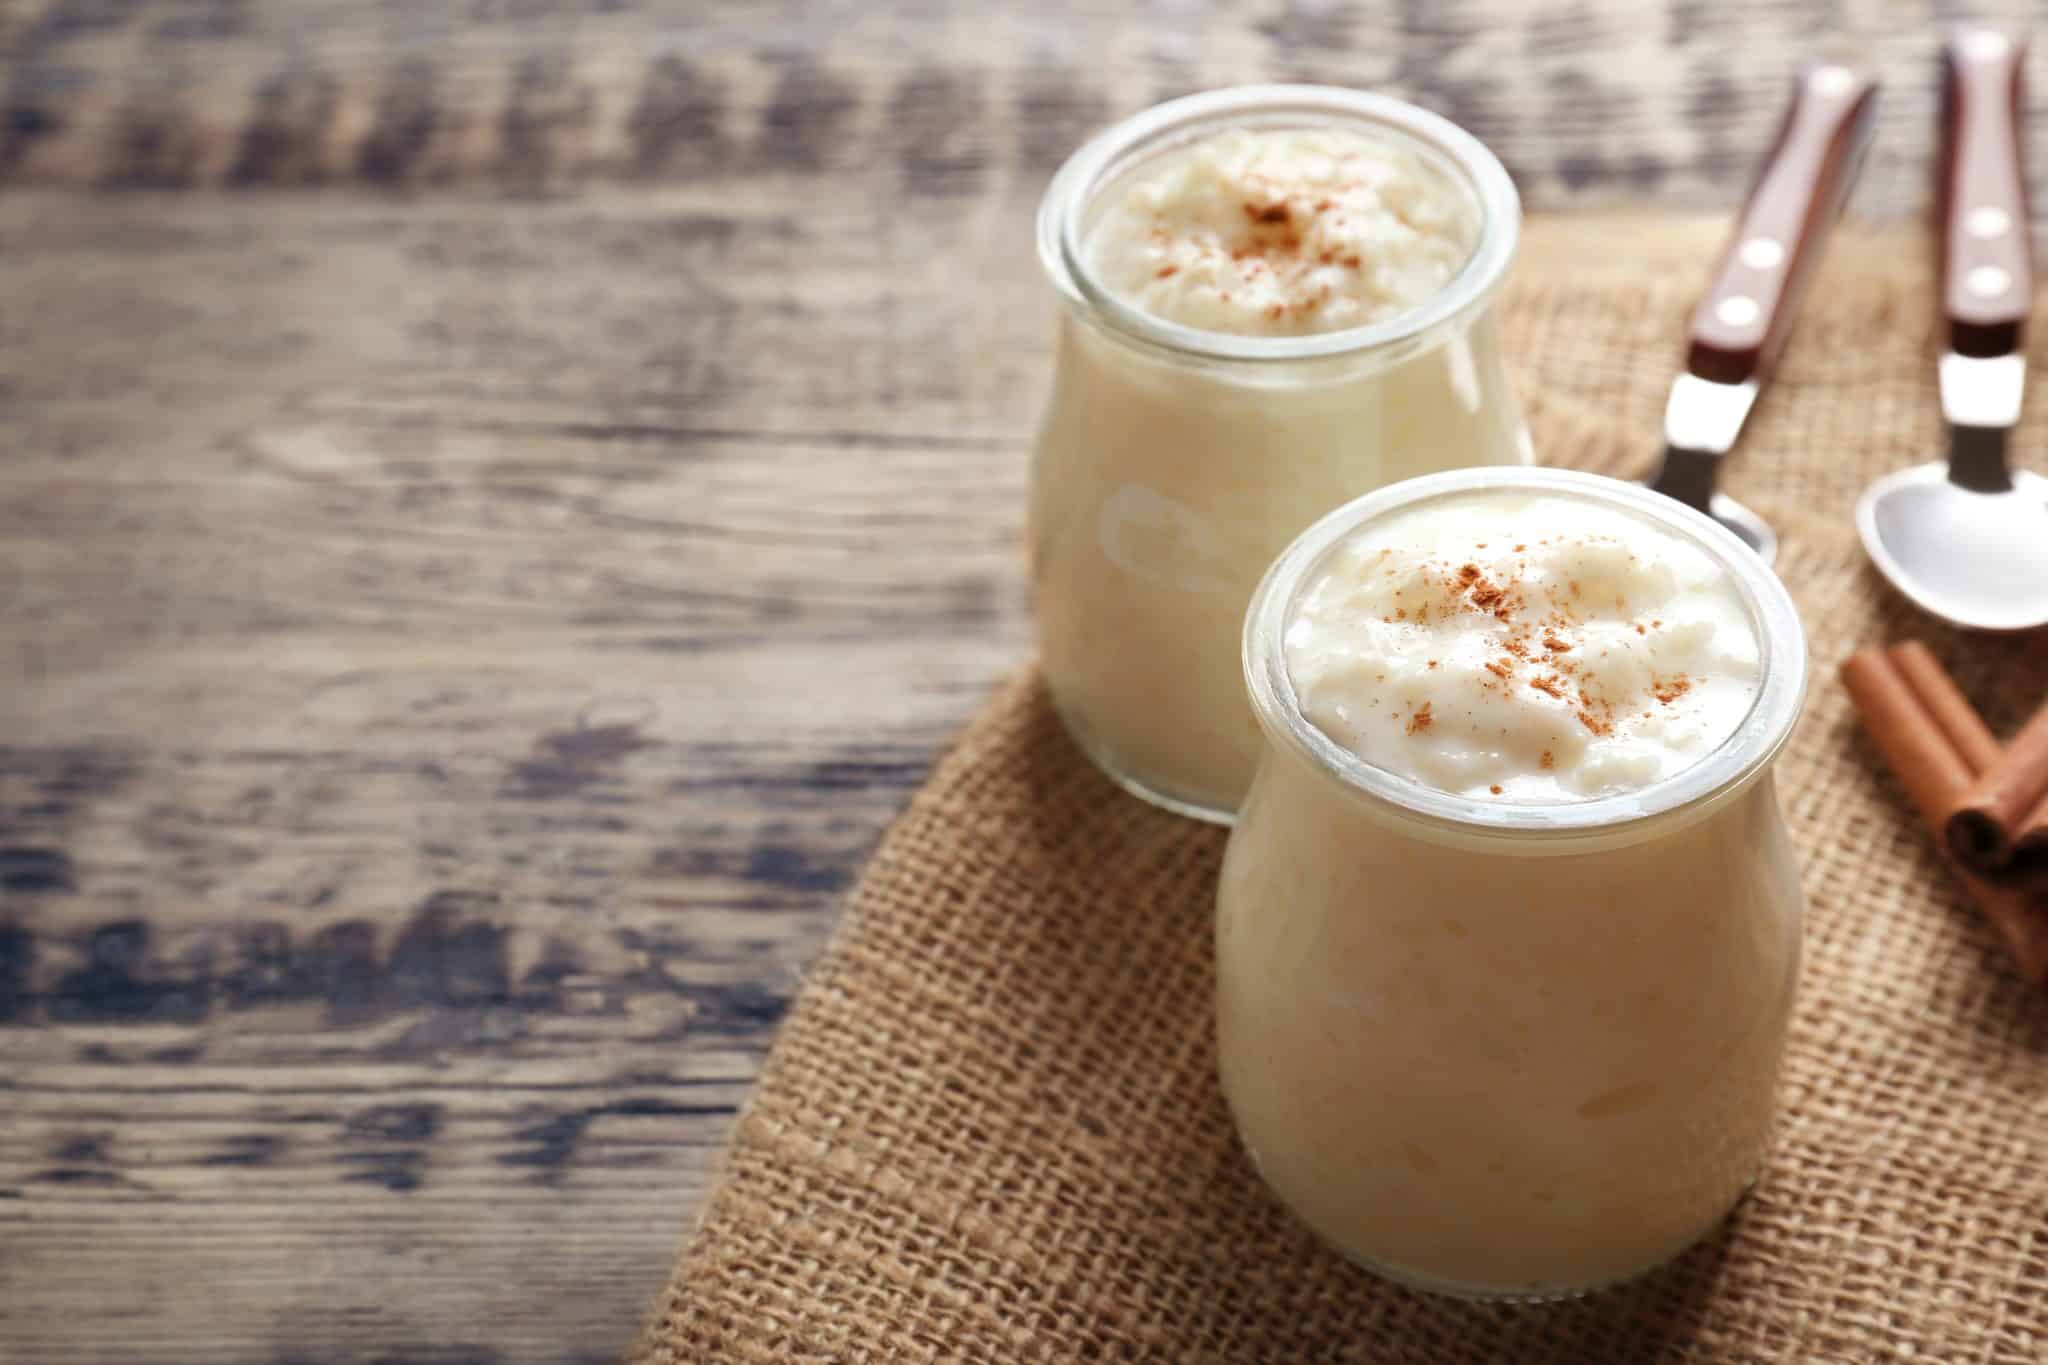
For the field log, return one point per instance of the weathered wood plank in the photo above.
(455, 654)
(1584, 101)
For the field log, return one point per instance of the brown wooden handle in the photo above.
(1987, 275)
(1747, 311)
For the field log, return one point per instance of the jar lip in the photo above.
(1431, 135)
(1756, 740)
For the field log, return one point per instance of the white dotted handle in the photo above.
(1987, 283)
(1747, 311)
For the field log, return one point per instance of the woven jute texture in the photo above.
(990, 1129)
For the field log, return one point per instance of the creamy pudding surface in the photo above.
(1523, 648)
(1282, 232)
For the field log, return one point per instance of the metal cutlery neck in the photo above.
(1981, 397)
(1688, 476)
(1982, 391)
(1706, 416)
(1976, 459)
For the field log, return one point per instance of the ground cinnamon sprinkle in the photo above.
(1167, 272)
(1596, 715)
(1539, 627)
(1495, 789)
(1267, 213)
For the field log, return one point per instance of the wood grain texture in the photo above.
(455, 655)
(487, 554)
(1594, 100)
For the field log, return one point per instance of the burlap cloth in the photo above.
(990, 1129)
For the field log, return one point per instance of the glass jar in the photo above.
(1175, 463)
(1508, 1050)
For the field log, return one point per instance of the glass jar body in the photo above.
(1164, 487)
(1174, 464)
(1500, 1074)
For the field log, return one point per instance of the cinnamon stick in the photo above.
(1967, 733)
(2007, 803)
(1899, 700)
(1921, 756)
(2029, 865)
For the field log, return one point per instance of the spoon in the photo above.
(1968, 540)
(1746, 315)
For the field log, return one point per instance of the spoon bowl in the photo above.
(1979, 559)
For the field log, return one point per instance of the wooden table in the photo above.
(501, 502)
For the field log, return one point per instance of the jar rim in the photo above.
(1430, 135)
(1723, 771)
